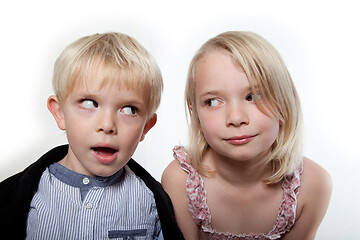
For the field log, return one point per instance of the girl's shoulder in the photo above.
(176, 173)
(173, 175)
(315, 180)
(180, 173)
(313, 200)
(175, 182)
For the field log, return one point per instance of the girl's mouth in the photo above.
(239, 140)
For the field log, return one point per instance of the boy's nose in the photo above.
(236, 116)
(107, 123)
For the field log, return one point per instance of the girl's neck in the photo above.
(237, 172)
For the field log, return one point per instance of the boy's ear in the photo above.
(149, 124)
(55, 109)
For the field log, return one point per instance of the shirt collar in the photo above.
(81, 181)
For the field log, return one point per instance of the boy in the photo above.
(107, 89)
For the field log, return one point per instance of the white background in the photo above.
(319, 41)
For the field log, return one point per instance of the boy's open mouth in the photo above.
(104, 151)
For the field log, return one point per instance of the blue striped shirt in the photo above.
(69, 205)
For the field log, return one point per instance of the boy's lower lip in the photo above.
(105, 158)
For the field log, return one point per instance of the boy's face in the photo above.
(103, 126)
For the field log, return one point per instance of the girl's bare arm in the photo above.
(174, 183)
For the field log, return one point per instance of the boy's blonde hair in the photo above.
(116, 59)
(268, 75)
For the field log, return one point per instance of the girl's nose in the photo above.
(106, 123)
(236, 116)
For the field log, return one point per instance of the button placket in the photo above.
(89, 205)
(86, 180)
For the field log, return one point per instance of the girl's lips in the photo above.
(238, 140)
(105, 155)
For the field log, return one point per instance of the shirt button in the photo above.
(89, 205)
(86, 181)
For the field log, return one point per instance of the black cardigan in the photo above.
(16, 193)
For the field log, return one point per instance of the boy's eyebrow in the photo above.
(130, 100)
(211, 92)
(87, 95)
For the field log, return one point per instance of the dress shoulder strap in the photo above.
(287, 212)
(195, 189)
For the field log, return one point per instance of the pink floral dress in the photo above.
(200, 211)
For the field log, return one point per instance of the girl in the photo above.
(243, 175)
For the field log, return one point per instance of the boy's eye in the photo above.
(129, 110)
(89, 104)
(212, 102)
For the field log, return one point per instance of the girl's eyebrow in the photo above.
(217, 92)
(256, 87)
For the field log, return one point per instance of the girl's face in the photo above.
(230, 120)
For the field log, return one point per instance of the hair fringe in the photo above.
(113, 56)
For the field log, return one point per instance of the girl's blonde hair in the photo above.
(268, 75)
(115, 59)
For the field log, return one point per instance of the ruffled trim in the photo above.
(213, 235)
(195, 189)
(287, 212)
(200, 211)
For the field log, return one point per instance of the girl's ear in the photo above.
(55, 109)
(149, 124)
(190, 107)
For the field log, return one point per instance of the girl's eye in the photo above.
(89, 104)
(129, 110)
(251, 97)
(212, 102)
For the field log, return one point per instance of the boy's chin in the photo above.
(105, 173)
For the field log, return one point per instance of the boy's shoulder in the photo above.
(17, 191)
(31, 175)
(133, 181)
(145, 176)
